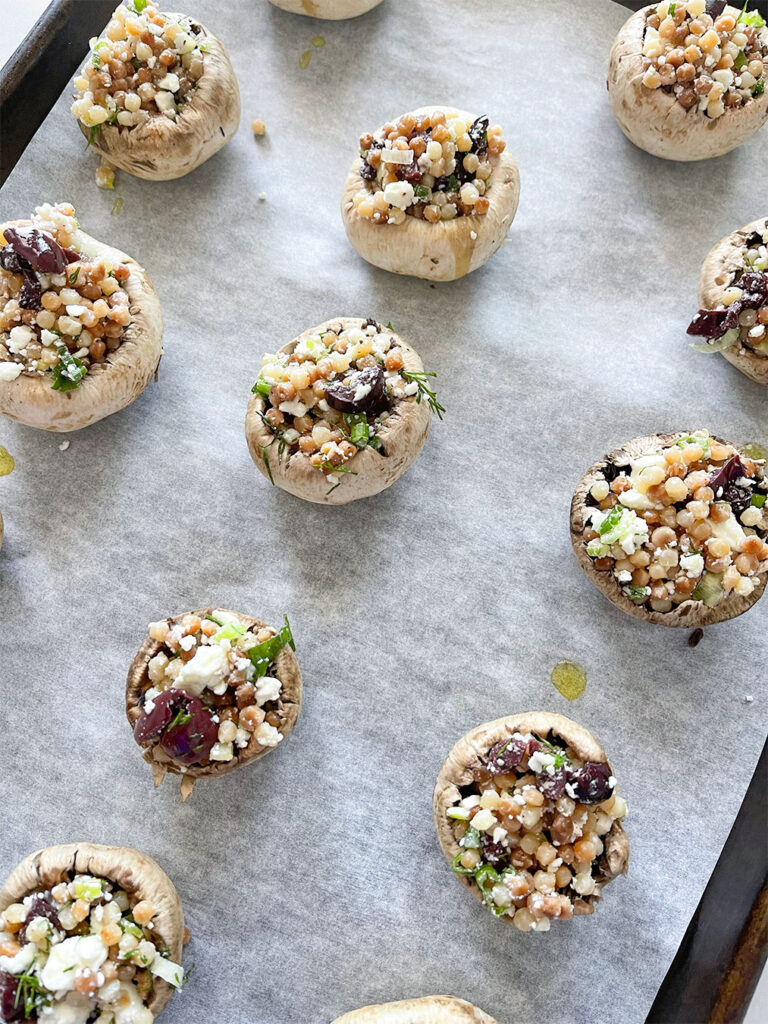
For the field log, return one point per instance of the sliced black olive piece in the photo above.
(364, 393)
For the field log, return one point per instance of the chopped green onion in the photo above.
(709, 589)
(88, 888)
(457, 867)
(758, 500)
(261, 387)
(168, 971)
(359, 431)
(472, 840)
(459, 813)
(229, 631)
(263, 654)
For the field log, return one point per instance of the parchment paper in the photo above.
(312, 881)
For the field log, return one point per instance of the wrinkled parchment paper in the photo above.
(312, 881)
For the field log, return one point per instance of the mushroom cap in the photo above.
(133, 871)
(108, 386)
(330, 10)
(456, 771)
(444, 251)
(688, 613)
(161, 148)
(427, 1010)
(403, 436)
(718, 269)
(289, 703)
(656, 122)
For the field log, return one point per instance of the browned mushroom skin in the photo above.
(686, 615)
(723, 263)
(289, 705)
(133, 871)
(427, 1010)
(162, 149)
(457, 771)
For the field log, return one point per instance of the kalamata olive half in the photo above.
(11, 1005)
(364, 393)
(192, 739)
(39, 907)
(156, 715)
(40, 250)
(590, 782)
(506, 755)
(552, 786)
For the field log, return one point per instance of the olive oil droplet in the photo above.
(570, 679)
(6, 462)
(318, 41)
(755, 450)
(305, 58)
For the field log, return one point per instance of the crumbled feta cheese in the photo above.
(267, 735)
(267, 688)
(208, 667)
(221, 752)
(399, 194)
(19, 338)
(170, 82)
(541, 761)
(10, 371)
(66, 958)
(693, 565)
(294, 408)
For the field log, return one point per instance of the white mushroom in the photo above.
(427, 1010)
(108, 386)
(448, 249)
(330, 10)
(723, 262)
(163, 148)
(369, 471)
(653, 118)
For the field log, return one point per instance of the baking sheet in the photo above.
(312, 881)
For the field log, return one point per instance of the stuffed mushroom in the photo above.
(88, 932)
(687, 80)
(431, 194)
(427, 1010)
(340, 412)
(529, 817)
(157, 96)
(331, 10)
(733, 299)
(210, 691)
(673, 528)
(80, 323)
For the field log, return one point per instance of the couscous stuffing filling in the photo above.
(430, 166)
(742, 318)
(705, 54)
(63, 309)
(212, 688)
(332, 395)
(530, 827)
(685, 523)
(84, 950)
(147, 64)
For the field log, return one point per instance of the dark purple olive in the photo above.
(11, 261)
(552, 786)
(590, 782)
(365, 393)
(506, 756)
(722, 478)
(754, 281)
(715, 8)
(478, 133)
(151, 723)
(39, 907)
(31, 294)
(11, 1003)
(708, 323)
(493, 853)
(192, 739)
(40, 250)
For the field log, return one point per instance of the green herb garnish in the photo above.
(422, 193)
(139, 5)
(420, 378)
(279, 436)
(389, 326)
(672, 9)
(30, 993)
(472, 839)
(453, 184)
(560, 756)
(359, 430)
(262, 387)
(94, 131)
(74, 275)
(180, 718)
(457, 867)
(263, 654)
(753, 18)
(741, 61)
(758, 500)
(759, 88)
(68, 372)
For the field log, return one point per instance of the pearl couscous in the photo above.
(706, 54)
(212, 689)
(433, 167)
(687, 522)
(83, 950)
(531, 830)
(146, 64)
(62, 311)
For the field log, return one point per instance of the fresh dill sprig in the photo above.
(419, 377)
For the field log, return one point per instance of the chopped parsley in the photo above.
(68, 372)
(263, 654)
